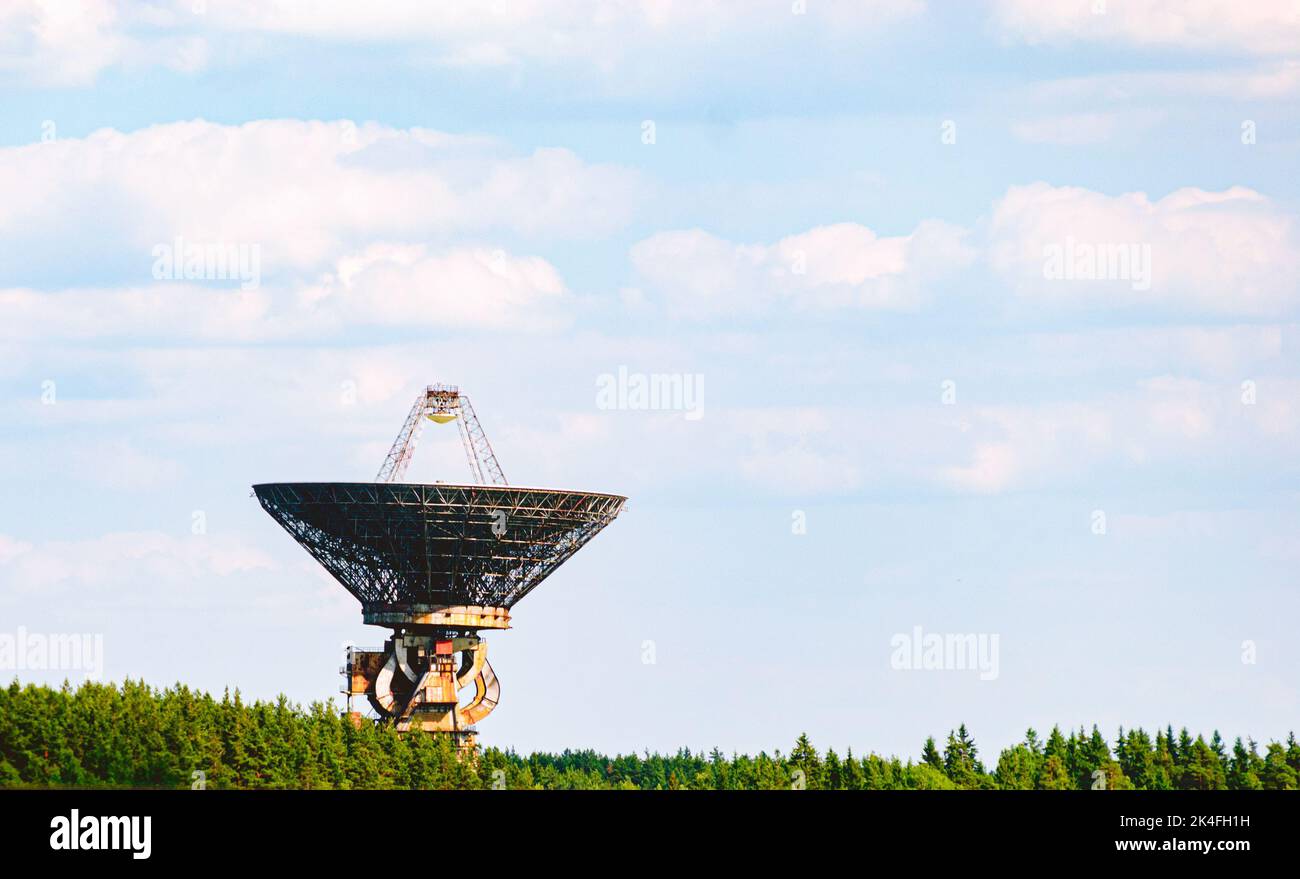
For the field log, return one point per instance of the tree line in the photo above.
(134, 735)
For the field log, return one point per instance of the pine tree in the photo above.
(1202, 769)
(1054, 775)
(804, 757)
(852, 772)
(1184, 757)
(1216, 745)
(1093, 754)
(1243, 769)
(1054, 771)
(930, 754)
(134, 735)
(1017, 768)
(831, 771)
(1165, 771)
(1277, 775)
(959, 760)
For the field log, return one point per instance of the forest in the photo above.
(135, 735)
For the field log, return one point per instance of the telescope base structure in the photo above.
(414, 682)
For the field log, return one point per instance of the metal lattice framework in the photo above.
(482, 460)
(437, 402)
(437, 564)
(394, 545)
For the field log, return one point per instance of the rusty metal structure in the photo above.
(437, 564)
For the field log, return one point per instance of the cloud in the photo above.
(1164, 422)
(1229, 252)
(1009, 447)
(309, 411)
(408, 286)
(401, 286)
(1259, 81)
(173, 310)
(58, 43)
(303, 193)
(845, 265)
(517, 31)
(1262, 27)
(152, 562)
(795, 451)
(1222, 352)
(11, 548)
(120, 580)
(1151, 429)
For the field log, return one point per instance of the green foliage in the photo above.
(1017, 769)
(959, 760)
(135, 736)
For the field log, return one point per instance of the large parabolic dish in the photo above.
(437, 564)
(400, 546)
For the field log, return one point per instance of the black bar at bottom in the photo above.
(376, 830)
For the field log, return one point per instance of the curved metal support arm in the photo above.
(436, 401)
(487, 693)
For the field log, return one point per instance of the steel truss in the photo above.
(399, 545)
(435, 401)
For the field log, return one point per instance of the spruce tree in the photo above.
(959, 760)
(804, 757)
(1017, 768)
(1276, 774)
(852, 772)
(930, 754)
